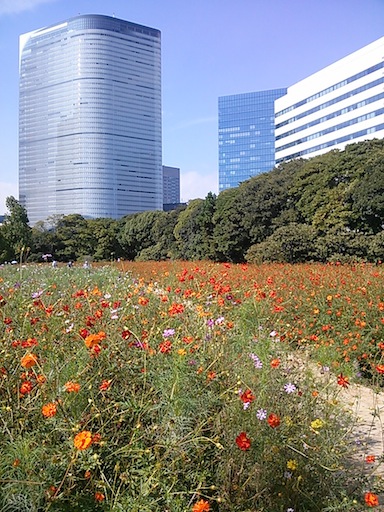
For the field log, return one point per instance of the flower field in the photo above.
(180, 386)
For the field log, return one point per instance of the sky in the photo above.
(210, 48)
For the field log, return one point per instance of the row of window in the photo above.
(332, 115)
(331, 129)
(332, 102)
(333, 87)
(340, 140)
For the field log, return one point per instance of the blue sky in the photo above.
(210, 48)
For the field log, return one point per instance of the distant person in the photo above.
(54, 263)
(69, 264)
(86, 264)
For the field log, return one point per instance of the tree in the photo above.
(136, 232)
(75, 238)
(367, 197)
(104, 239)
(294, 243)
(265, 200)
(16, 231)
(230, 239)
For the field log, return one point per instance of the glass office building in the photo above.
(246, 136)
(171, 185)
(90, 119)
(341, 104)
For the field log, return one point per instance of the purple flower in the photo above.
(256, 361)
(210, 322)
(289, 388)
(219, 320)
(261, 414)
(168, 333)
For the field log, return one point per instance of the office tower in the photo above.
(171, 185)
(90, 119)
(341, 104)
(246, 136)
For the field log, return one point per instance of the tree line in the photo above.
(327, 208)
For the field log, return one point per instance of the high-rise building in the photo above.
(340, 104)
(90, 119)
(171, 185)
(246, 135)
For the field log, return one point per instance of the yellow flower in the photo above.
(182, 352)
(292, 464)
(288, 421)
(317, 423)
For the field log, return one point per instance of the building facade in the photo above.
(246, 136)
(171, 185)
(341, 104)
(90, 119)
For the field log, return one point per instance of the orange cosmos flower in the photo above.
(176, 309)
(380, 368)
(201, 506)
(49, 410)
(370, 459)
(99, 496)
(275, 363)
(72, 387)
(371, 499)
(243, 442)
(273, 420)
(105, 385)
(29, 360)
(342, 380)
(26, 387)
(83, 440)
(94, 339)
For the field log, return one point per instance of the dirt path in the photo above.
(367, 406)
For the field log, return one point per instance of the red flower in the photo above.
(247, 397)
(371, 499)
(105, 385)
(380, 368)
(273, 420)
(165, 347)
(342, 380)
(370, 459)
(126, 334)
(26, 387)
(84, 333)
(243, 442)
(176, 309)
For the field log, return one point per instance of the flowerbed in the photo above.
(185, 386)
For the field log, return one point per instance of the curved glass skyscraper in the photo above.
(90, 119)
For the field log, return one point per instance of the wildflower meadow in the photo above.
(187, 386)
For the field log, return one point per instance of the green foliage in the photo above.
(136, 233)
(294, 243)
(230, 239)
(194, 228)
(15, 231)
